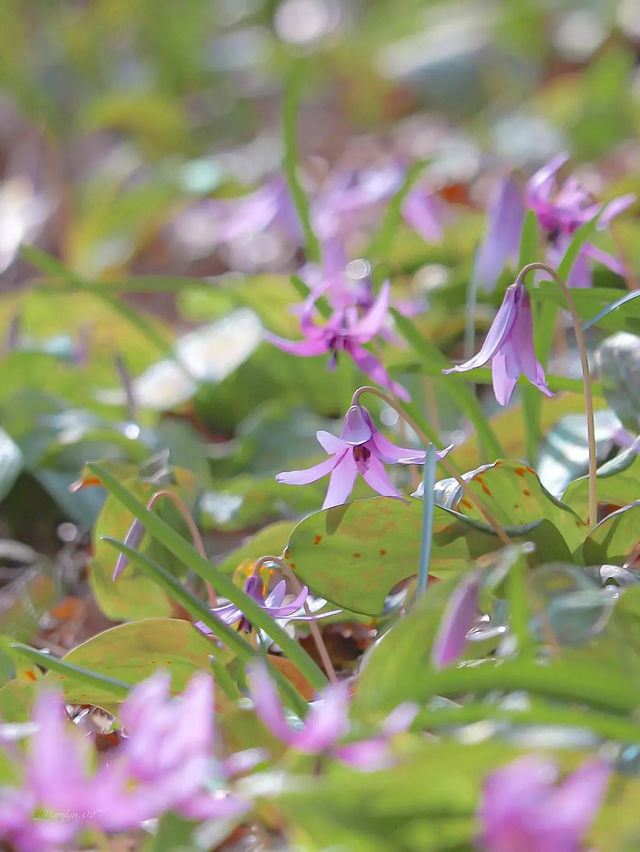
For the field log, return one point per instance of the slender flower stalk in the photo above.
(449, 467)
(586, 380)
(136, 532)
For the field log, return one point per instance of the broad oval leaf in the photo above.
(134, 651)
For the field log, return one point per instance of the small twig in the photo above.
(586, 380)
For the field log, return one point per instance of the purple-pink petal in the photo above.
(456, 622)
(327, 720)
(503, 235)
(303, 348)
(375, 475)
(370, 365)
(498, 333)
(373, 321)
(311, 474)
(342, 481)
(358, 427)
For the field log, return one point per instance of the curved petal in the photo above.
(503, 383)
(605, 258)
(276, 595)
(304, 348)
(421, 211)
(375, 475)
(267, 703)
(311, 474)
(326, 721)
(497, 335)
(374, 319)
(391, 454)
(342, 481)
(503, 234)
(615, 208)
(541, 180)
(290, 608)
(456, 622)
(330, 443)
(577, 801)
(373, 368)
(366, 755)
(400, 718)
(357, 428)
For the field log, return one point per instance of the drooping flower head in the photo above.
(503, 233)
(273, 604)
(360, 449)
(509, 347)
(524, 810)
(344, 331)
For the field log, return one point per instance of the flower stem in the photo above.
(313, 627)
(450, 468)
(586, 380)
(193, 530)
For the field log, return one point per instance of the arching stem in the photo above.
(313, 627)
(586, 380)
(193, 530)
(488, 514)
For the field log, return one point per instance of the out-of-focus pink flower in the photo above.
(456, 622)
(326, 723)
(524, 810)
(502, 240)
(166, 760)
(360, 449)
(509, 347)
(562, 209)
(344, 331)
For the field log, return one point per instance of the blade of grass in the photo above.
(426, 533)
(118, 688)
(185, 551)
(290, 109)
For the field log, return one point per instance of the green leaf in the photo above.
(618, 483)
(515, 495)
(222, 584)
(129, 653)
(614, 538)
(593, 305)
(133, 595)
(271, 539)
(353, 555)
(78, 683)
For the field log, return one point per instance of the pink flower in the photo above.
(360, 449)
(273, 604)
(524, 810)
(456, 622)
(509, 347)
(344, 331)
(326, 723)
